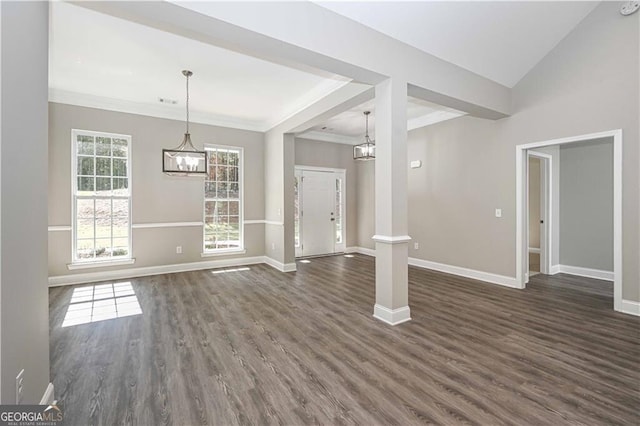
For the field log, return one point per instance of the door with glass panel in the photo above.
(319, 211)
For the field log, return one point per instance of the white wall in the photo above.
(24, 334)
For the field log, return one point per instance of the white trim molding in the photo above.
(535, 250)
(223, 252)
(391, 239)
(586, 272)
(119, 274)
(56, 228)
(255, 222)
(274, 222)
(465, 272)
(630, 307)
(48, 396)
(165, 225)
(392, 316)
(282, 267)
(555, 269)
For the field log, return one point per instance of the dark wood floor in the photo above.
(263, 347)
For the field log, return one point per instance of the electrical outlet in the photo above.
(273, 246)
(178, 249)
(19, 383)
(416, 246)
(498, 212)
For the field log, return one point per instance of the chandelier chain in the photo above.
(187, 103)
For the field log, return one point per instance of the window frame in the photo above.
(75, 261)
(222, 251)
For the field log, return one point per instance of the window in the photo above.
(101, 196)
(338, 209)
(296, 211)
(223, 200)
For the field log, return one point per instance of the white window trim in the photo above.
(97, 263)
(225, 251)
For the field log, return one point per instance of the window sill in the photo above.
(103, 264)
(224, 252)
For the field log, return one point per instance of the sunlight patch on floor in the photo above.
(101, 302)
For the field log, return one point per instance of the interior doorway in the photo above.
(522, 232)
(319, 211)
(539, 213)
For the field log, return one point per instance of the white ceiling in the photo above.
(102, 61)
(501, 41)
(349, 126)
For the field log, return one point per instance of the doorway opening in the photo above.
(539, 212)
(552, 261)
(319, 211)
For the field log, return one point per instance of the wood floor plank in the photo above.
(258, 346)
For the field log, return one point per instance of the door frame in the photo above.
(521, 181)
(336, 171)
(546, 211)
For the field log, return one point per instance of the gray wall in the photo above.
(156, 198)
(587, 84)
(586, 205)
(24, 335)
(534, 202)
(337, 156)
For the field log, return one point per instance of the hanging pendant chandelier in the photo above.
(185, 160)
(366, 150)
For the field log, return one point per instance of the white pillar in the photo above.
(392, 290)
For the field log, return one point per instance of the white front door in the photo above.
(320, 212)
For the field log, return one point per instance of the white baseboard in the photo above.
(282, 267)
(119, 274)
(392, 316)
(585, 272)
(361, 250)
(48, 397)
(464, 272)
(555, 269)
(630, 307)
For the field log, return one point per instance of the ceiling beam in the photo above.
(288, 33)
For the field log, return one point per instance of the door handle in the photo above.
(332, 219)
(542, 221)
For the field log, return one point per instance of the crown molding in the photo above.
(151, 110)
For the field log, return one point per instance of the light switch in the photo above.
(416, 164)
(498, 212)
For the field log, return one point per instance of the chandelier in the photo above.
(366, 150)
(185, 160)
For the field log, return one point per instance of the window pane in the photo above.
(233, 158)
(103, 227)
(85, 145)
(103, 146)
(222, 190)
(103, 166)
(103, 186)
(120, 186)
(119, 147)
(119, 167)
(84, 208)
(120, 227)
(234, 208)
(221, 173)
(209, 189)
(103, 208)
(103, 247)
(84, 249)
(84, 228)
(222, 157)
(233, 174)
(121, 208)
(85, 185)
(85, 166)
(234, 190)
